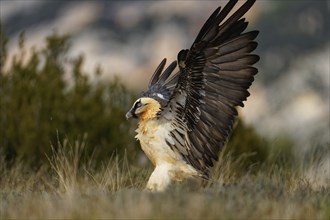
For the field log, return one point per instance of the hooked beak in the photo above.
(130, 114)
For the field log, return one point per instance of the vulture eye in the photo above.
(138, 104)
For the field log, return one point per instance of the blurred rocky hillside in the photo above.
(129, 38)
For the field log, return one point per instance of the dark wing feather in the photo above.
(157, 72)
(213, 80)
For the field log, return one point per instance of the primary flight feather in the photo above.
(185, 117)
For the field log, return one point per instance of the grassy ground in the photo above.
(71, 189)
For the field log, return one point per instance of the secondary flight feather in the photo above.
(185, 117)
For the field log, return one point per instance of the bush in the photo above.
(48, 98)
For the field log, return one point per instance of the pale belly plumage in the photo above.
(169, 164)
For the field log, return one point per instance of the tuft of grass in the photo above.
(75, 170)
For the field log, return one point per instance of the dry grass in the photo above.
(74, 189)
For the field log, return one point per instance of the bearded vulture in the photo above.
(184, 118)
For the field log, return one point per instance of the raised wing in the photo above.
(213, 80)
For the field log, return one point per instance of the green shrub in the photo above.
(49, 98)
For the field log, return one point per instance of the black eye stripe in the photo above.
(137, 104)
